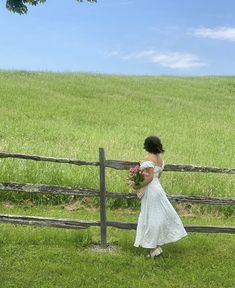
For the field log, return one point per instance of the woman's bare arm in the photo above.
(148, 177)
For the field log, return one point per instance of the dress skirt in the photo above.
(158, 222)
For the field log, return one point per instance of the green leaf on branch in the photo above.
(20, 6)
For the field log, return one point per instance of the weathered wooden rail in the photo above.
(77, 191)
(118, 164)
(103, 194)
(80, 224)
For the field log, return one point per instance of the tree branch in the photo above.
(20, 7)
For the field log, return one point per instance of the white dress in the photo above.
(158, 222)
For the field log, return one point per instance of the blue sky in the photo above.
(148, 37)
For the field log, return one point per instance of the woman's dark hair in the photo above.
(152, 144)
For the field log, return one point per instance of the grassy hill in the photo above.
(72, 115)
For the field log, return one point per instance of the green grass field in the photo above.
(52, 257)
(72, 115)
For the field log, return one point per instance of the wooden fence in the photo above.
(103, 194)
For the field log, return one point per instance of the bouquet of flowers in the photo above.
(135, 179)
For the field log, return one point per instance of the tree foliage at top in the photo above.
(20, 6)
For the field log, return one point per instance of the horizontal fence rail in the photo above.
(46, 158)
(49, 189)
(118, 164)
(49, 222)
(77, 191)
(125, 165)
(103, 194)
(75, 224)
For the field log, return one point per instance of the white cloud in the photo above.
(221, 33)
(112, 53)
(173, 60)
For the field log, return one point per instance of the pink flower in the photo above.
(136, 176)
(134, 170)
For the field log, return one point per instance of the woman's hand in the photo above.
(133, 185)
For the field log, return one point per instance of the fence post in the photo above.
(103, 224)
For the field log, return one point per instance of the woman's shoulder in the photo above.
(150, 157)
(154, 159)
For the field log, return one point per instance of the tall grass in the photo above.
(72, 115)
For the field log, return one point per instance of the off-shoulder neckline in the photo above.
(155, 163)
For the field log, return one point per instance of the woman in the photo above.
(158, 222)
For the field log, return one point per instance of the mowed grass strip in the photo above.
(52, 257)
